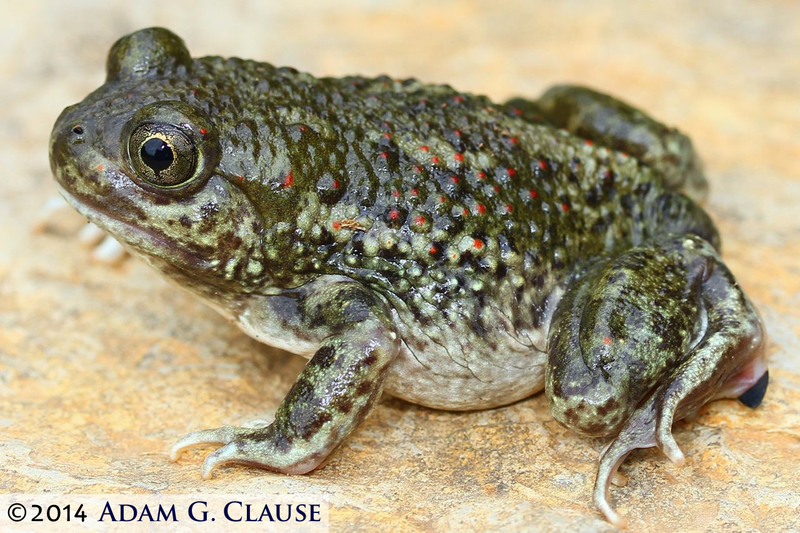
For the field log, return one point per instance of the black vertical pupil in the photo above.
(157, 154)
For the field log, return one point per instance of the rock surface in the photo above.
(101, 368)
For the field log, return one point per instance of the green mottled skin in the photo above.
(462, 253)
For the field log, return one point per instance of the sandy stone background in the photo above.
(101, 368)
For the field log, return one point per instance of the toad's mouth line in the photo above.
(137, 240)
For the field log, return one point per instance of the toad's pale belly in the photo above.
(448, 366)
(441, 383)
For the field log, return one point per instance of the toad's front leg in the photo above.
(333, 394)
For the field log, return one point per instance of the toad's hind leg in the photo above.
(645, 339)
(335, 391)
(615, 124)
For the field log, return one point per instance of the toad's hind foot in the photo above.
(651, 424)
(646, 339)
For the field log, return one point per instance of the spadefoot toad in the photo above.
(411, 238)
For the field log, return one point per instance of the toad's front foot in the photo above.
(225, 435)
(257, 447)
(335, 391)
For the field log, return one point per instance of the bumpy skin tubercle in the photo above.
(411, 238)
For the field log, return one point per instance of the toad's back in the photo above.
(467, 216)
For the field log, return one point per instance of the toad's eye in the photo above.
(162, 155)
(157, 154)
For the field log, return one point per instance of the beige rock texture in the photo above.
(103, 368)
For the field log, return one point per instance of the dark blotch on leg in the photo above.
(364, 388)
(344, 404)
(314, 425)
(302, 391)
(324, 357)
(752, 398)
(370, 360)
